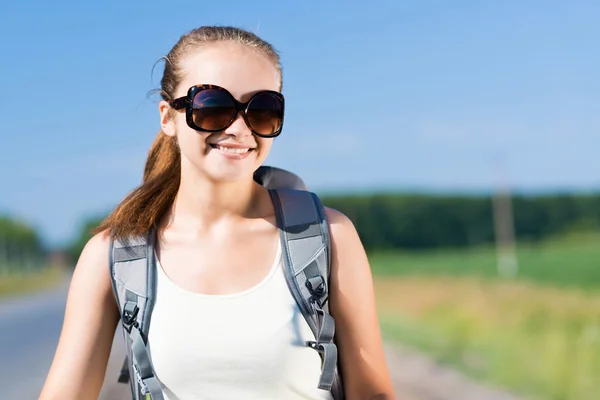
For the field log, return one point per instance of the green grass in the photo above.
(18, 284)
(572, 261)
(538, 334)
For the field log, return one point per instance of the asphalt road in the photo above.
(30, 328)
(29, 331)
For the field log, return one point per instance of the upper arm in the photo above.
(352, 304)
(91, 317)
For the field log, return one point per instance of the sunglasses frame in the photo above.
(186, 102)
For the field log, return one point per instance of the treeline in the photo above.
(386, 221)
(21, 247)
(383, 221)
(419, 222)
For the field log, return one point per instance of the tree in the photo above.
(21, 247)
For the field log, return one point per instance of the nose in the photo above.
(238, 127)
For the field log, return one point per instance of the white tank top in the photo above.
(247, 345)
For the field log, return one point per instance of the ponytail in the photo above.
(144, 206)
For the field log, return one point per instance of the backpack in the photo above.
(305, 243)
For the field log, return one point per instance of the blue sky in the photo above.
(427, 95)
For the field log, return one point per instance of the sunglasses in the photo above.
(211, 108)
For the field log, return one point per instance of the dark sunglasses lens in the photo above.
(265, 114)
(213, 109)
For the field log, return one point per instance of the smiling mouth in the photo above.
(231, 150)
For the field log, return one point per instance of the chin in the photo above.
(217, 168)
(231, 174)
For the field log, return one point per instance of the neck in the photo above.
(202, 203)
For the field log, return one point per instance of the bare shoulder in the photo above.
(347, 251)
(98, 245)
(93, 260)
(342, 229)
(92, 273)
(335, 216)
(350, 269)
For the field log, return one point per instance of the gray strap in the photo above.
(327, 349)
(328, 353)
(326, 327)
(154, 388)
(147, 380)
(124, 374)
(122, 254)
(305, 239)
(273, 178)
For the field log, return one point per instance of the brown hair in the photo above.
(144, 206)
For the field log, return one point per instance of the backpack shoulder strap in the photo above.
(133, 276)
(273, 178)
(304, 233)
(132, 271)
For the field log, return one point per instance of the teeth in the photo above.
(232, 150)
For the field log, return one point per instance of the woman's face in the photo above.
(222, 156)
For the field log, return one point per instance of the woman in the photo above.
(218, 249)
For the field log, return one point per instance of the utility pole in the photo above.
(506, 256)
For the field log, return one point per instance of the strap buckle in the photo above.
(316, 286)
(130, 312)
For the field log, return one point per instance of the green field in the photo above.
(19, 284)
(537, 334)
(572, 261)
